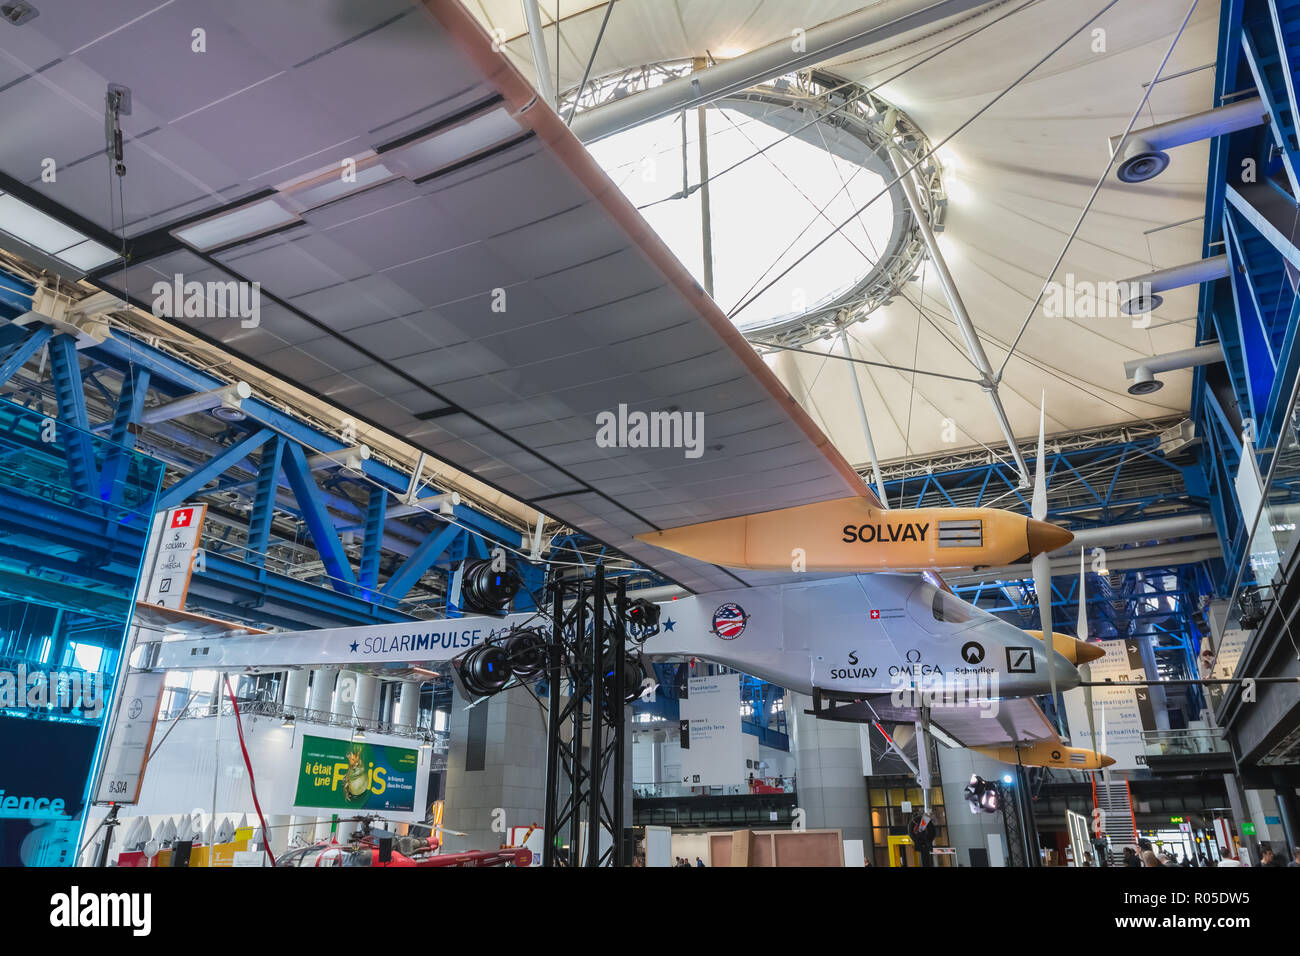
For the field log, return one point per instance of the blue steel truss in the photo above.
(263, 462)
(1254, 313)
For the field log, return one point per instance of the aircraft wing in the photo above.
(437, 255)
(1017, 720)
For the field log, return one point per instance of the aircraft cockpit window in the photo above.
(941, 612)
(949, 610)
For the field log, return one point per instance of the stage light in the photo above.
(643, 617)
(1007, 779)
(526, 651)
(288, 721)
(633, 674)
(486, 590)
(981, 795)
(482, 671)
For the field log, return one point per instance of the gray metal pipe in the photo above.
(862, 418)
(541, 62)
(1142, 153)
(1171, 361)
(958, 309)
(1142, 293)
(1240, 115)
(1134, 532)
(228, 395)
(1185, 274)
(872, 24)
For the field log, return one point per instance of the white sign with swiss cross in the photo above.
(171, 557)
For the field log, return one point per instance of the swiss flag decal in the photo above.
(183, 518)
(875, 615)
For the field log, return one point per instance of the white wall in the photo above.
(180, 777)
(780, 762)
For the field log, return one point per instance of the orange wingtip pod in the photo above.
(1048, 753)
(1071, 648)
(850, 534)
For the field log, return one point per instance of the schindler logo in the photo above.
(77, 909)
(668, 429)
(208, 300)
(39, 689)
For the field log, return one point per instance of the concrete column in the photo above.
(496, 768)
(277, 834)
(970, 831)
(1237, 801)
(301, 829)
(408, 704)
(366, 704)
(322, 689)
(1289, 810)
(828, 762)
(295, 689)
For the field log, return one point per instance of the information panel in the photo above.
(712, 752)
(336, 774)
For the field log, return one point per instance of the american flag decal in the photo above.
(729, 621)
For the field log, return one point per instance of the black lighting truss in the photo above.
(589, 630)
(1009, 805)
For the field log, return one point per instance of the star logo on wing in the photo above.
(353, 647)
(669, 624)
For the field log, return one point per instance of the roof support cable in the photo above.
(586, 74)
(921, 159)
(1101, 181)
(854, 98)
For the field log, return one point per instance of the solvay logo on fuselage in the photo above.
(883, 532)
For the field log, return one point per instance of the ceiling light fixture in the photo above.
(46, 234)
(244, 222)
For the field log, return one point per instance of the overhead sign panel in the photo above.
(1127, 710)
(712, 751)
(335, 774)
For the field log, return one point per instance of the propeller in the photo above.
(1042, 564)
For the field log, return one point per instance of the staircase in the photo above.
(1118, 821)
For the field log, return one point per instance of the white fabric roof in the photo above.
(1024, 171)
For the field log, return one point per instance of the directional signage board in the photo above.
(1127, 710)
(132, 736)
(170, 560)
(712, 750)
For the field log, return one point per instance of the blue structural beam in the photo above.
(376, 507)
(193, 483)
(20, 344)
(994, 484)
(319, 523)
(413, 568)
(1250, 215)
(65, 370)
(130, 403)
(268, 482)
(280, 600)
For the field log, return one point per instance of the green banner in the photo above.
(353, 775)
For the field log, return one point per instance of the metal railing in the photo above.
(439, 740)
(1185, 743)
(672, 788)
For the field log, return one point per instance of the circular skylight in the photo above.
(781, 186)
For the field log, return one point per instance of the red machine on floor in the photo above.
(378, 848)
